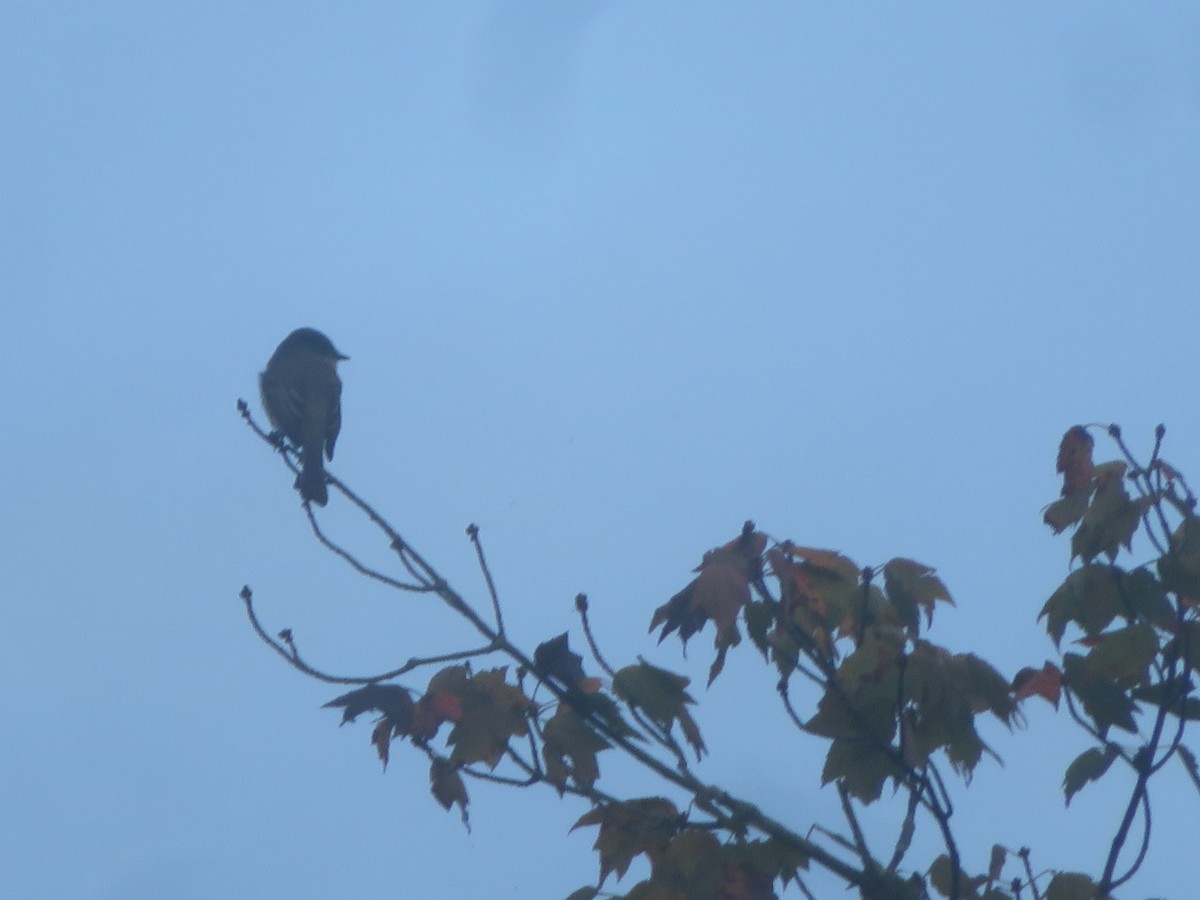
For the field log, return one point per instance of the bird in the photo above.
(302, 395)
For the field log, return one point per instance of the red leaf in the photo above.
(1045, 682)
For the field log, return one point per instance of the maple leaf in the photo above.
(801, 620)
(431, 711)
(821, 593)
(1090, 765)
(689, 866)
(629, 829)
(393, 701)
(553, 659)
(1074, 461)
(861, 765)
(1045, 682)
(1123, 655)
(447, 787)
(1071, 886)
(381, 738)
(1112, 518)
(912, 587)
(662, 696)
(1091, 596)
(440, 703)
(493, 713)
(567, 737)
(769, 859)
(1179, 568)
(720, 590)
(940, 877)
(987, 689)
(741, 882)
(1066, 511)
(1103, 700)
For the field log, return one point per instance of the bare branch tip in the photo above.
(473, 531)
(245, 594)
(581, 603)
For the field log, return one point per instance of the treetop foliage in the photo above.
(852, 669)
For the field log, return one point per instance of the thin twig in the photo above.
(355, 564)
(286, 647)
(907, 829)
(581, 606)
(473, 534)
(860, 840)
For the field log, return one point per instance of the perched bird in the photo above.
(302, 395)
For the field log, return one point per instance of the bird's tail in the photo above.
(311, 480)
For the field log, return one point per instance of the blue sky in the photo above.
(613, 278)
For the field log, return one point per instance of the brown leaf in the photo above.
(720, 590)
(447, 787)
(493, 713)
(630, 829)
(381, 738)
(1075, 459)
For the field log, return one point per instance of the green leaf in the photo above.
(1186, 644)
(940, 877)
(1067, 510)
(1179, 569)
(861, 765)
(690, 865)
(1090, 597)
(1124, 655)
(1112, 518)
(1102, 699)
(566, 737)
(1147, 597)
(662, 696)
(1089, 765)
(987, 688)
(1172, 696)
(1071, 886)
(913, 587)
